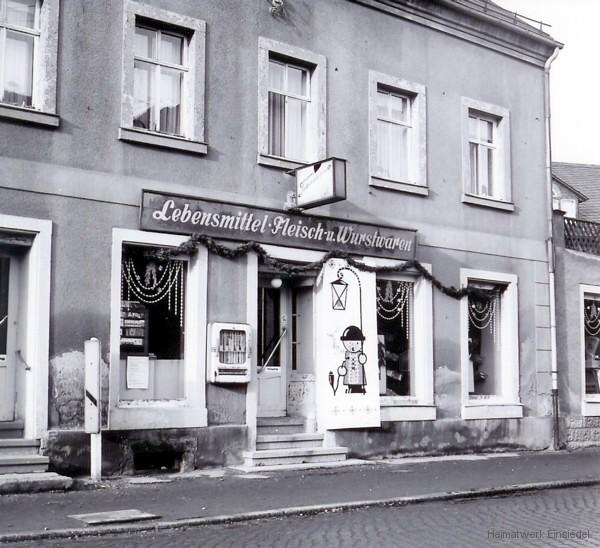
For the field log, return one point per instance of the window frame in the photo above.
(316, 140)
(192, 117)
(416, 182)
(421, 405)
(45, 61)
(590, 403)
(507, 404)
(189, 412)
(502, 165)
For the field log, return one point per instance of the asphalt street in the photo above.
(562, 517)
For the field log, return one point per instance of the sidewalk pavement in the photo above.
(219, 495)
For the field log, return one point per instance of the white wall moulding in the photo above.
(187, 215)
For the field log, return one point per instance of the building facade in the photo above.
(128, 126)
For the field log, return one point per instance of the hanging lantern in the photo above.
(339, 294)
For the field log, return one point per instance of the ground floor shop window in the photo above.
(591, 327)
(395, 337)
(152, 324)
(490, 345)
(485, 358)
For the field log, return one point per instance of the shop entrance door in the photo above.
(273, 348)
(8, 335)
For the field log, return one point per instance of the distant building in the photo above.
(127, 126)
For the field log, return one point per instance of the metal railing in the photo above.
(582, 235)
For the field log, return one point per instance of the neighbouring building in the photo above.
(127, 126)
(577, 259)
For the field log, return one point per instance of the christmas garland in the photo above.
(190, 246)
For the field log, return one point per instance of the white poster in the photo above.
(346, 348)
(138, 372)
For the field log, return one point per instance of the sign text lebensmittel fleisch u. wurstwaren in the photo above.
(186, 215)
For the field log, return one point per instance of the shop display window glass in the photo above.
(395, 337)
(152, 325)
(485, 353)
(591, 325)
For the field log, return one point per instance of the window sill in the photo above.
(29, 115)
(399, 186)
(487, 202)
(486, 409)
(395, 409)
(591, 408)
(276, 161)
(142, 137)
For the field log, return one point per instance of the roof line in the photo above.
(577, 193)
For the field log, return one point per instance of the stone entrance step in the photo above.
(11, 429)
(19, 447)
(23, 464)
(280, 425)
(33, 483)
(288, 441)
(272, 457)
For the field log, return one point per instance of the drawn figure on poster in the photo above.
(352, 368)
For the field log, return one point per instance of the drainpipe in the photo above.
(550, 242)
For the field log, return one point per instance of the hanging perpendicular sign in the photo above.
(92, 386)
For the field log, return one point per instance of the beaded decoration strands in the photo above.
(395, 302)
(591, 316)
(153, 289)
(483, 313)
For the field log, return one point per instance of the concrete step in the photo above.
(288, 441)
(19, 447)
(33, 483)
(24, 464)
(280, 425)
(272, 457)
(11, 429)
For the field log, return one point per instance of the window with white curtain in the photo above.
(159, 70)
(397, 134)
(292, 110)
(289, 101)
(394, 133)
(19, 33)
(486, 154)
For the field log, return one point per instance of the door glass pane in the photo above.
(296, 128)
(268, 326)
(382, 104)
(394, 337)
(297, 79)
(399, 152)
(152, 325)
(170, 100)
(18, 69)
(143, 96)
(21, 13)
(276, 76)
(276, 124)
(145, 42)
(399, 108)
(4, 269)
(171, 49)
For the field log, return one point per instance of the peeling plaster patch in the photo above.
(459, 438)
(67, 388)
(447, 388)
(425, 441)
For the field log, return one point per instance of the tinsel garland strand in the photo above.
(190, 246)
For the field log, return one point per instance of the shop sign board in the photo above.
(346, 357)
(186, 215)
(321, 183)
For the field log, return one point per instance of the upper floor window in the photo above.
(291, 109)
(397, 135)
(19, 32)
(289, 100)
(163, 79)
(486, 153)
(28, 56)
(159, 72)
